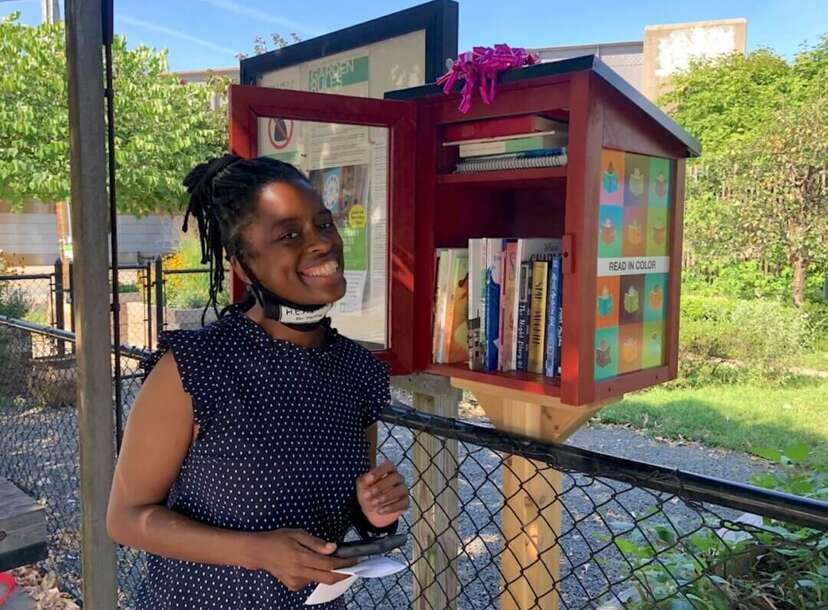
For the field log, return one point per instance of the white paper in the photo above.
(371, 568)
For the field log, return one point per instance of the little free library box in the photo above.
(423, 194)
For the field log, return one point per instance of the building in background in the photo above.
(648, 64)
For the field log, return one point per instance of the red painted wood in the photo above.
(628, 128)
(526, 382)
(674, 287)
(509, 179)
(630, 382)
(525, 97)
(248, 103)
(424, 266)
(585, 131)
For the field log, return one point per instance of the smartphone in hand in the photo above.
(364, 548)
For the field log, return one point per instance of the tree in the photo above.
(162, 126)
(279, 42)
(759, 191)
(779, 182)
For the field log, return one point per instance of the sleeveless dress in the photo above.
(281, 443)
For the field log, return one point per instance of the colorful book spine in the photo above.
(499, 127)
(553, 317)
(476, 275)
(494, 253)
(528, 250)
(524, 308)
(456, 342)
(436, 329)
(537, 319)
(507, 299)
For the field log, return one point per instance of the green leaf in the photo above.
(769, 454)
(627, 547)
(797, 453)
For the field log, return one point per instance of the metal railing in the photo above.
(611, 532)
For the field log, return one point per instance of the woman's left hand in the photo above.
(382, 495)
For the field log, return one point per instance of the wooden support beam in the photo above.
(531, 515)
(436, 500)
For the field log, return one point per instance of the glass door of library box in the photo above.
(359, 155)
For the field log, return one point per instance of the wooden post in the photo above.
(436, 500)
(531, 514)
(90, 223)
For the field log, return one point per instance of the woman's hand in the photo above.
(382, 495)
(296, 558)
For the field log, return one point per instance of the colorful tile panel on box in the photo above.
(633, 262)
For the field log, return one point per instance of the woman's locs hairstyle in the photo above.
(223, 193)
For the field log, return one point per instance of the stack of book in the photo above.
(498, 305)
(508, 143)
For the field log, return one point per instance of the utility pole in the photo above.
(90, 220)
(50, 11)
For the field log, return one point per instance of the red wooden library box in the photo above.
(617, 206)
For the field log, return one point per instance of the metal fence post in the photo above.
(58, 317)
(148, 301)
(159, 297)
(436, 499)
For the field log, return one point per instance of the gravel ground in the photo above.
(594, 511)
(39, 452)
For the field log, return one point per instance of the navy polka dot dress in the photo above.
(281, 443)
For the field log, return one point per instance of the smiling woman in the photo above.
(251, 448)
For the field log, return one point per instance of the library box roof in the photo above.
(584, 63)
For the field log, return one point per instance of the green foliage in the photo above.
(188, 291)
(777, 565)
(761, 190)
(726, 340)
(13, 303)
(730, 98)
(163, 127)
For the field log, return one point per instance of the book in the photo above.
(456, 338)
(494, 253)
(436, 325)
(488, 148)
(525, 160)
(477, 270)
(537, 317)
(499, 127)
(508, 297)
(529, 250)
(553, 318)
(524, 306)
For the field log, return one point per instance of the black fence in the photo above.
(496, 521)
(153, 296)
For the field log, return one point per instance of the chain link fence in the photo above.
(496, 521)
(29, 296)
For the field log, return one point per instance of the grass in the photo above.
(738, 417)
(814, 360)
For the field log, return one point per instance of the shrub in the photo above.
(13, 303)
(730, 340)
(775, 565)
(188, 291)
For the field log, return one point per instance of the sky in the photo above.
(208, 33)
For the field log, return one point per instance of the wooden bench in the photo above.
(22, 528)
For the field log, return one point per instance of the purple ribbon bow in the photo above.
(480, 67)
